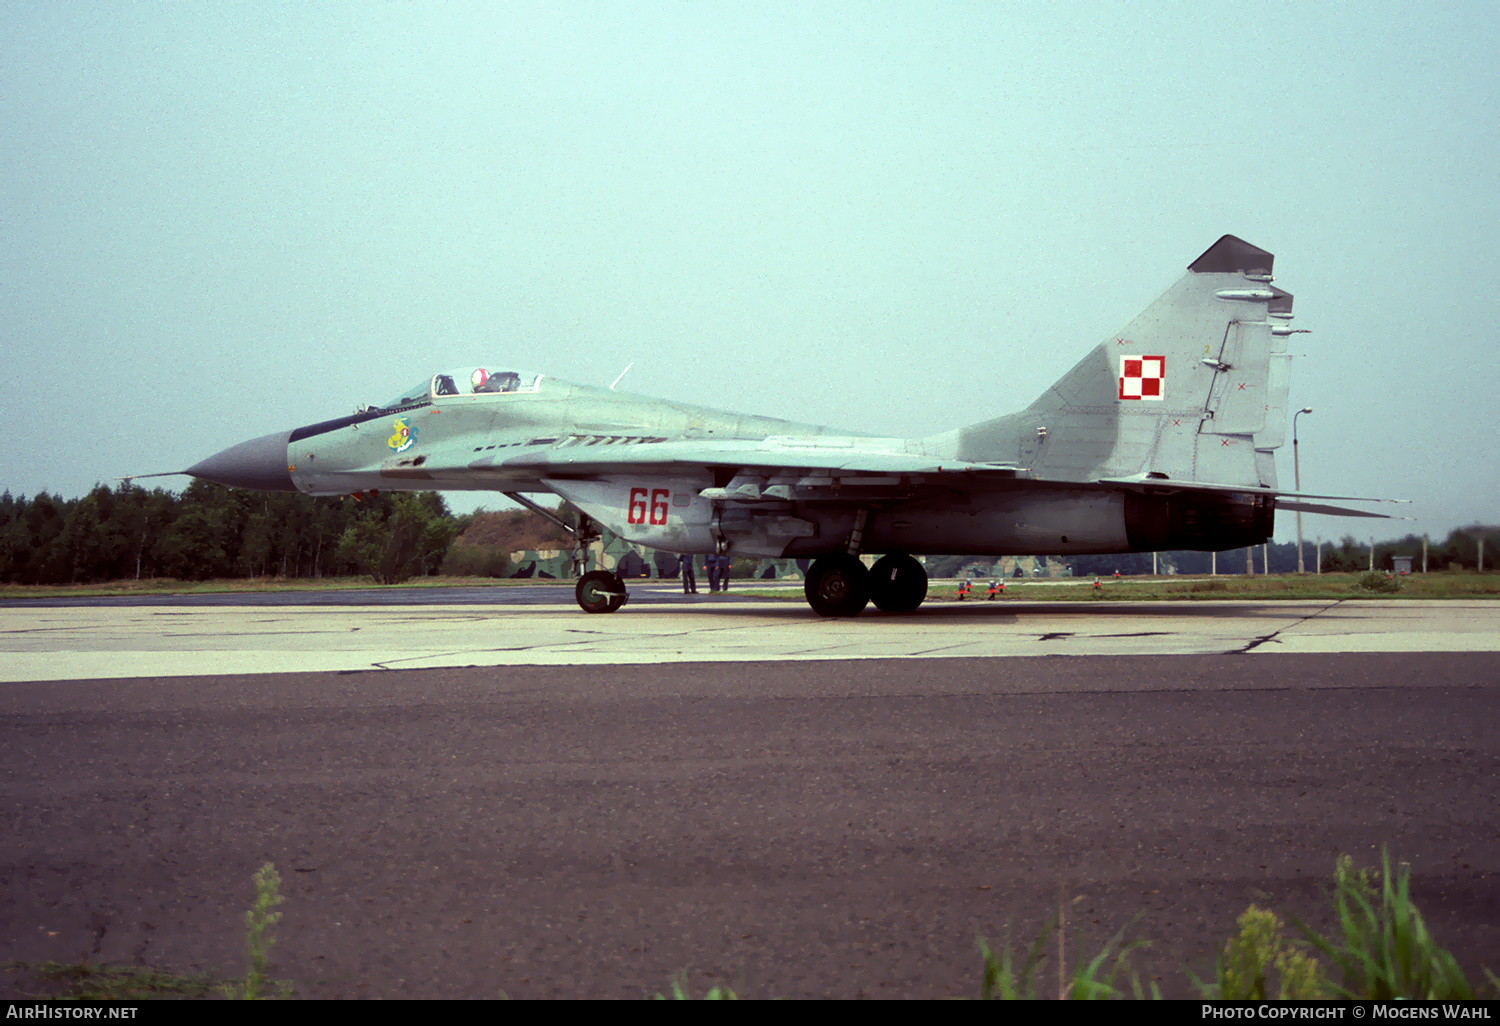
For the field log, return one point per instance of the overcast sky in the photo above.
(222, 220)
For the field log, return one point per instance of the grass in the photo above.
(1381, 950)
(248, 585)
(1275, 586)
(1463, 585)
(96, 981)
(1384, 950)
(1181, 588)
(1003, 978)
(680, 992)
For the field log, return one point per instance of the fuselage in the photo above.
(678, 477)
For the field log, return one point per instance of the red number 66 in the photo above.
(635, 512)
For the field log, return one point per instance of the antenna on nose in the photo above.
(624, 372)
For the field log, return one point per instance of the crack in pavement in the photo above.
(1268, 638)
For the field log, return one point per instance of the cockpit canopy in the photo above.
(466, 381)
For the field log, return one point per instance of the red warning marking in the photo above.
(1242, 386)
(1143, 377)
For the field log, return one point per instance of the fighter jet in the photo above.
(1162, 437)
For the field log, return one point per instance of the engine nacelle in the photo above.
(1204, 521)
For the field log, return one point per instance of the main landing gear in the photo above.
(600, 591)
(841, 586)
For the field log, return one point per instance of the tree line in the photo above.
(209, 531)
(128, 532)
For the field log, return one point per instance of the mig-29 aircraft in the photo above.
(1162, 437)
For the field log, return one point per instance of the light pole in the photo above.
(1297, 480)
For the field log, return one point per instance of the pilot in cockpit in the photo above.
(504, 381)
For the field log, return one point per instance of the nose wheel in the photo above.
(600, 591)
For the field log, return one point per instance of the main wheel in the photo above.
(599, 591)
(837, 586)
(898, 583)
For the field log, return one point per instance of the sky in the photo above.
(222, 220)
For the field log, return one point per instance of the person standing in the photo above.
(689, 582)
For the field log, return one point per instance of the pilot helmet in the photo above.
(478, 378)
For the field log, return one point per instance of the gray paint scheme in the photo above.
(1162, 436)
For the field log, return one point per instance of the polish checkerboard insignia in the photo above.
(1143, 377)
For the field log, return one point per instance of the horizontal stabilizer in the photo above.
(1333, 511)
(1168, 484)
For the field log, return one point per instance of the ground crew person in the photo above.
(689, 582)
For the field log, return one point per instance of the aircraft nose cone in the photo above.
(259, 463)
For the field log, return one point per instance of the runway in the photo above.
(508, 627)
(588, 806)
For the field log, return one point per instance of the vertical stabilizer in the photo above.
(1192, 389)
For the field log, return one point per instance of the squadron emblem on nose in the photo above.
(404, 438)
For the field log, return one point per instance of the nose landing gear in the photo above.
(600, 591)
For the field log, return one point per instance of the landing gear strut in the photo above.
(597, 591)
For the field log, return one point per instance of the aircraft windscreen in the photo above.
(415, 394)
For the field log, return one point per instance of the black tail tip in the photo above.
(1230, 255)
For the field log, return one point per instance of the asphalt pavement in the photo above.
(828, 829)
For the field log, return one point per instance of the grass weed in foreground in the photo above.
(1381, 949)
(1385, 950)
(680, 992)
(95, 981)
(258, 940)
